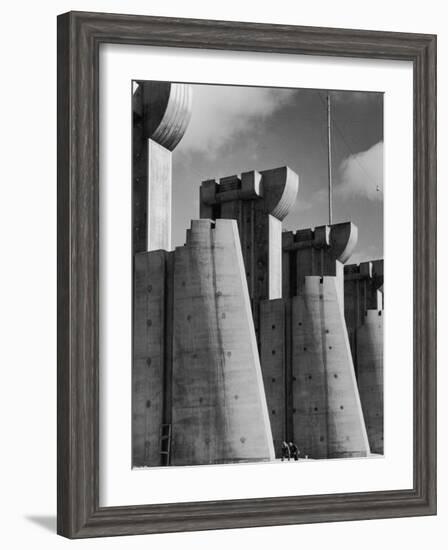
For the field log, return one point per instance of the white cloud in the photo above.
(222, 112)
(362, 174)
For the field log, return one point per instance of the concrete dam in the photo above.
(248, 335)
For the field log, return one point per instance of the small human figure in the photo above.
(294, 450)
(286, 452)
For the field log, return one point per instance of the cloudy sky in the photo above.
(235, 129)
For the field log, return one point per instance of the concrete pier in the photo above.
(161, 112)
(310, 384)
(364, 314)
(151, 397)
(328, 420)
(219, 405)
(274, 328)
(197, 369)
(240, 336)
(296, 286)
(258, 201)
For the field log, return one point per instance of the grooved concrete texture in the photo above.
(166, 110)
(219, 405)
(161, 113)
(159, 197)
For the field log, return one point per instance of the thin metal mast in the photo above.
(330, 186)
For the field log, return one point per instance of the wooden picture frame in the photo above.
(79, 38)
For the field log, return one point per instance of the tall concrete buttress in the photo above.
(259, 202)
(161, 113)
(363, 285)
(298, 309)
(219, 405)
(198, 395)
(198, 365)
(306, 360)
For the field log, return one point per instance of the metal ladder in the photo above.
(165, 444)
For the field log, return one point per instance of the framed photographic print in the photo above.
(246, 274)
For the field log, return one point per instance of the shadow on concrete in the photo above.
(46, 522)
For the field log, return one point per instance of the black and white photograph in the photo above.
(224, 248)
(257, 257)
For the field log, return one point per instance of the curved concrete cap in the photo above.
(279, 189)
(343, 239)
(166, 108)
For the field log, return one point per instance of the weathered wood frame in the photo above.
(79, 37)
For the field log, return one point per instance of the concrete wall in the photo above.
(320, 251)
(363, 290)
(196, 364)
(273, 361)
(258, 201)
(328, 420)
(306, 360)
(310, 385)
(364, 315)
(219, 406)
(370, 377)
(321, 411)
(149, 364)
(161, 113)
(159, 197)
